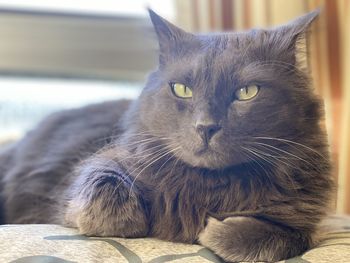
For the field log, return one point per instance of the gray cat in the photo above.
(223, 147)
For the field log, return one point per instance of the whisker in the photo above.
(149, 164)
(256, 161)
(288, 153)
(144, 157)
(274, 165)
(292, 142)
(172, 156)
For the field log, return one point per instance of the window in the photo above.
(61, 54)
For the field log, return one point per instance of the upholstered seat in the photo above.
(57, 244)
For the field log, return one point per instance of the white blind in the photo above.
(76, 45)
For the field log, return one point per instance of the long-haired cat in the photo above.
(223, 147)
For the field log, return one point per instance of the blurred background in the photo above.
(67, 53)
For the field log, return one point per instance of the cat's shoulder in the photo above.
(69, 131)
(91, 113)
(90, 116)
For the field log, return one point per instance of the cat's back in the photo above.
(39, 163)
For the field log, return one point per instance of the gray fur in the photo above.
(253, 190)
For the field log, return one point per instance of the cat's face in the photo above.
(215, 96)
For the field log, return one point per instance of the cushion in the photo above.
(57, 244)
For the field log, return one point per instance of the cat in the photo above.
(223, 147)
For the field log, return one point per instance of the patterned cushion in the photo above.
(52, 243)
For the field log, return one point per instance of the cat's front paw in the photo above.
(214, 236)
(106, 204)
(238, 239)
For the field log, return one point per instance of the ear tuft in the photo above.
(291, 39)
(300, 27)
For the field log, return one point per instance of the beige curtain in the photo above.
(329, 53)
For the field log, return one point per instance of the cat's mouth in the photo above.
(208, 156)
(202, 150)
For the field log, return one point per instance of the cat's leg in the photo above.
(105, 201)
(239, 239)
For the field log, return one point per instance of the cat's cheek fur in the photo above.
(244, 239)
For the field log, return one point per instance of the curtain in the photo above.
(329, 49)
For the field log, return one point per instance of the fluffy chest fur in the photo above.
(180, 198)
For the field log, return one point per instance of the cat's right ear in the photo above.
(172, 39)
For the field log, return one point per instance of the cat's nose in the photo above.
(207, 130)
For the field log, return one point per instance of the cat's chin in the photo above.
(209, 166)
(209, 160)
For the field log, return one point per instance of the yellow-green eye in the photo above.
(181, 90)
(247, 92)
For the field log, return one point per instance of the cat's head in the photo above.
(214, 96)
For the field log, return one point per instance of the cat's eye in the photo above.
(181, 90)
(247, 92)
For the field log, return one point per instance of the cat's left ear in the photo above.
(293, 35)
(172, 40)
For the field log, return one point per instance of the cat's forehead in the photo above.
(218, 52)
(219, 49)
(231, 41)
